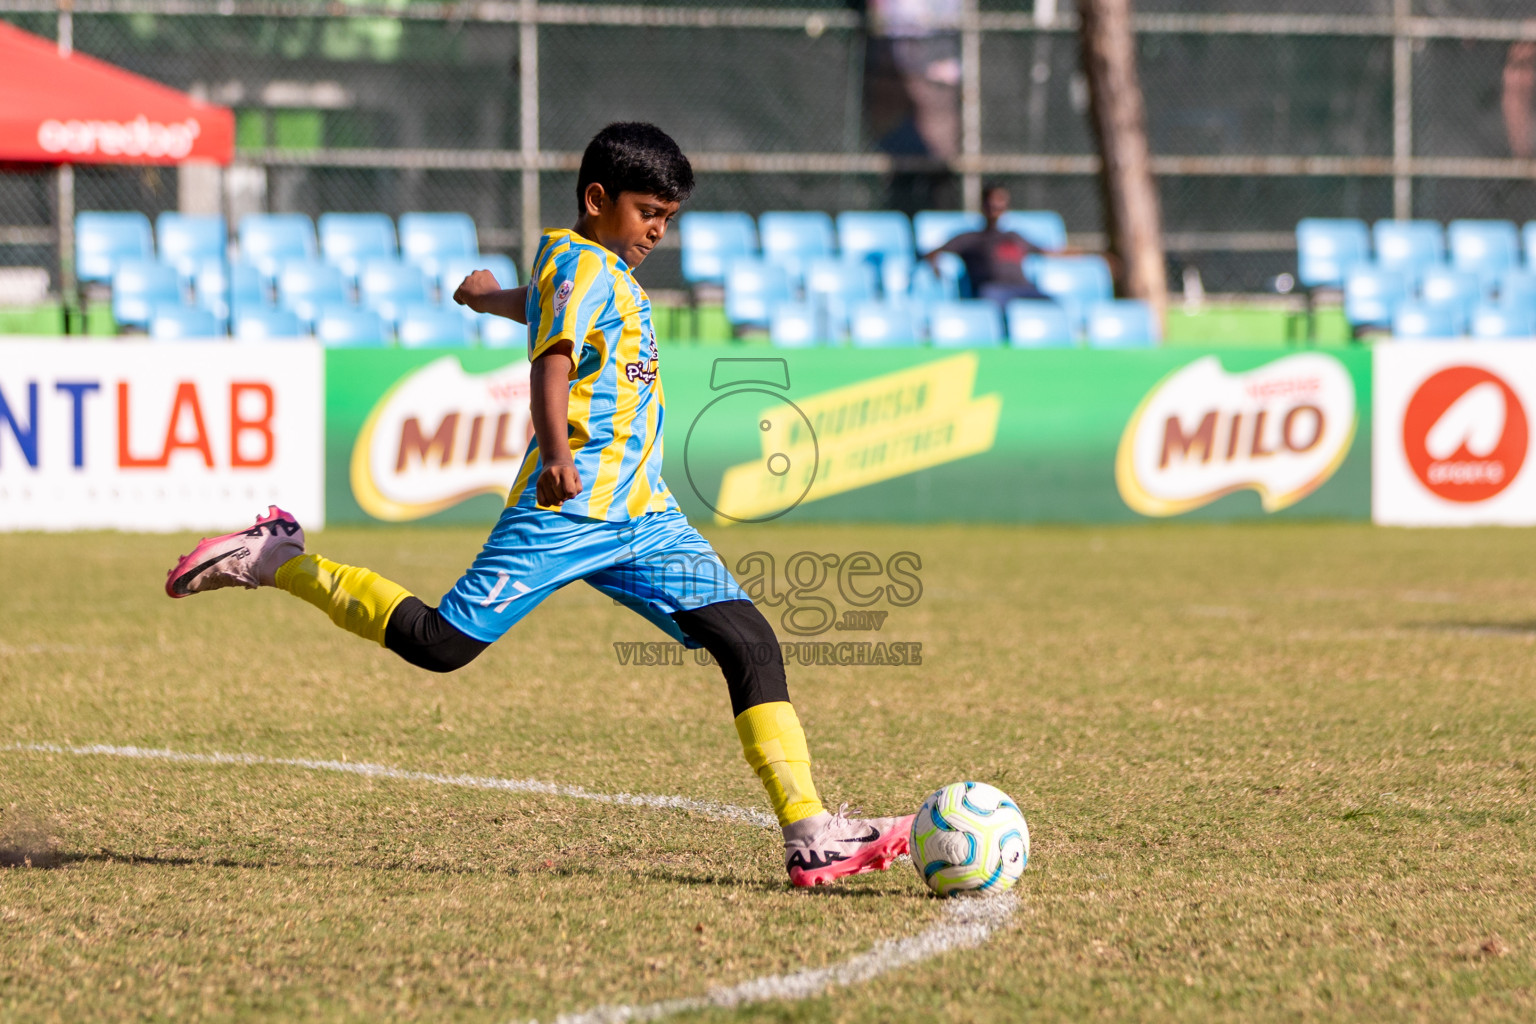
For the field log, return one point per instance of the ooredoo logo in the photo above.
(1465, 434)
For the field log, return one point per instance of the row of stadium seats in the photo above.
(887, 240)
(968, 323)
(756, 291)
(1441, 303)
(1327, 249)
(387, 288)
(268, 240)
(961, 323)
(340, 326)
(1423, 280)
(279, 287)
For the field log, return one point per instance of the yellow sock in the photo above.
(358, 600)
(775, 747)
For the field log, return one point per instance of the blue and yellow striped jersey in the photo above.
(581, 293)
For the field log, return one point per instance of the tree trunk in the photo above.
(1120, 126)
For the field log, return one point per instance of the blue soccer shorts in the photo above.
(656, 564)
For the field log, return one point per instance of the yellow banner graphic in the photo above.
(864, 433)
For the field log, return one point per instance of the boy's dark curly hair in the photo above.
(632, 156)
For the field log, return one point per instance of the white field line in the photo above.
(966, 923)
(707, 808)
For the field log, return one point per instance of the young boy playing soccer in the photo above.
(588, 503)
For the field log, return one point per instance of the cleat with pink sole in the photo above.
(847, 846)
(246, 558)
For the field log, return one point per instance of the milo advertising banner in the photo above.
(758, 435)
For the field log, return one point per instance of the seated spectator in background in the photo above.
(994, 259)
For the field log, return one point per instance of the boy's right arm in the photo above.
(483, 294)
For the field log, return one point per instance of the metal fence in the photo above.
(1260, 113)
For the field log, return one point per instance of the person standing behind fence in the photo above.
(1519, 87)
(912, 93)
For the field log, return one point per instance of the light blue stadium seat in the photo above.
(938, 284)
(1073, 282)
(752, 288)
(862, 233)
(186, 240)
(893, 323)
(1517, 288)
(1414, 320)
(1121, 323)
(499, 332)
(834, 285)
(935, 227)
(102, 238)
(1528, 243)
(305, 286)
(349, 239)
(268, 240)
(1372, 295)
(1494, 323)
(456, 268)
(138, 286)
(1037, 323)
(883, 239)
(175, 322)
(219, 285)
(792, 239)
(1455, 291)
(1483, 247)
(1327, 249)
(256, 323)
(423, 325)
(711, 239)
(965, 323)
(1409, 247)
(1042, 228)
(427, 239)
(348, 327)
(388, 286)
(794, 325)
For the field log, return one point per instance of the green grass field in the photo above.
(1271, 772)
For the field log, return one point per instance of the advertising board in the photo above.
(158, 436)
(1452, 435)
(908, 435)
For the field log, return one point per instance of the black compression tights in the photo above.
(735, 632)
(420, 635)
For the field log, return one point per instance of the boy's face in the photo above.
(631, 226)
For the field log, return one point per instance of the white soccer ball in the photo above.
(969, 837)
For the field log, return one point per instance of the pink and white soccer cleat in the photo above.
(246, 558)
(847, 846)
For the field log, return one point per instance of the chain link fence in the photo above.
(1259, 113)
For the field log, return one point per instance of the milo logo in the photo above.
(440, 436)
(1280, 430)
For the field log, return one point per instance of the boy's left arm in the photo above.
(483, 294)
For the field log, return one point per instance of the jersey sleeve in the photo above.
(571, 293)
(961, 245)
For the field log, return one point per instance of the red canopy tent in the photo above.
(57, 108)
